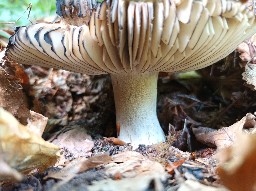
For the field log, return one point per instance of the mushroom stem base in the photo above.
(135, 102)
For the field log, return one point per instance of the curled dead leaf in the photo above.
(75, 140)
(237, 168)
(37, 123)
(244, 52)
(79, 165)
(115, 141)
(247, 49)
(21, 148)
(173, 165)
(21, 75)
(226, 136)
(94, 161)
(132, 164)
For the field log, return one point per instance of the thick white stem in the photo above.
(135, 101)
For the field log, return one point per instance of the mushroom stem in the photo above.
(135, 102)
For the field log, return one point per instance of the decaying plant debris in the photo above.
(22, 149)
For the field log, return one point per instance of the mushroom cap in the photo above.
(128, 36)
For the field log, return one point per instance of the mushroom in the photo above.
(133, 40)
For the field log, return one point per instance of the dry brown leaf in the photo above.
(22, 149)
(68, 172)
(94, 161)
(21, 75)
(79, 165)
(247, 50)
(170, 167)
(132, 164)
(115, 141)
(249, 75)
(244, 51)
(225, 136)
(127, 156)
(37, 123)
(76, 141)
(237, 168)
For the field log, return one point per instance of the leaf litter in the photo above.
(226, 136)
(22, 149)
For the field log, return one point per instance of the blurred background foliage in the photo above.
(12, 10)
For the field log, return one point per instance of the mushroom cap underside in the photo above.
(122, 36)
